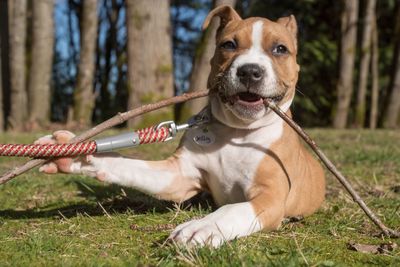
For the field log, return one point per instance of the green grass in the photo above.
(70, 220)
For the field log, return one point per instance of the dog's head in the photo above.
(254, 59)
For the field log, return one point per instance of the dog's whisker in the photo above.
(297, 88)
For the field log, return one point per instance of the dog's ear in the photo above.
(290, 23)
(225, 13)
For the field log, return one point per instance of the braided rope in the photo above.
(48, 150)
(152, 135)
(146, 136)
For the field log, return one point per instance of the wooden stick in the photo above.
(117, 119)
(387, 231)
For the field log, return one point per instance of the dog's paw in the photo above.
(228, 222)
(80, 165)
(198, 233)
(61, 164)
(58, 137)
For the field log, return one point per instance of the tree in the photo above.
(108, 58)
(373, 118)
(4, 62)
(392, 112)
(347, 55)
(1, 96)
(18, 112)
(84, 97)
(204, 53)
(365, 63)
(150, 71)
(42, 59)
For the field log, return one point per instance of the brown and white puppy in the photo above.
(251, 162)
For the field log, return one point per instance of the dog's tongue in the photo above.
(249, 97)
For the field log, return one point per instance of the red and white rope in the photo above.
(48, 150)
(146, 136)
(153, 135)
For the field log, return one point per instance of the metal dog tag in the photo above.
(203, 137)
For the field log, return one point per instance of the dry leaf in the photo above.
(377, 191)
(374, 249)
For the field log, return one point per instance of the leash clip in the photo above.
(195, 121)
(199, 119)
(172, 129)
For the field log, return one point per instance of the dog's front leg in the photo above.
(176, 178)
(265, 210)
(172, 179)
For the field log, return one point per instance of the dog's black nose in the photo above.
(250, 74)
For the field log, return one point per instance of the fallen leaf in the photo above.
(363, 248)
(374, 249)
(377, 191)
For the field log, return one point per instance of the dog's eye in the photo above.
(228, 45)
(280, 50)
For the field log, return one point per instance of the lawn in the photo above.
(73, 220)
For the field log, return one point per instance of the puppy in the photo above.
(250, 161)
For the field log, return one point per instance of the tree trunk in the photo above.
(392, 112)
(105, 104)
(373, 119)
(4, 63)
(364, 64)
(1, 96)
(19, 111)
(347, 54)
(84, 97)
(150, 70)
(42, 59)
(204, 53)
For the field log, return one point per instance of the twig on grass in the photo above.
(117, 119)
(371, 215)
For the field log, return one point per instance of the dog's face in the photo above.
(254, 59)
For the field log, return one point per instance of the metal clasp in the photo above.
(195, 121)
(199, 119)
(171, 126)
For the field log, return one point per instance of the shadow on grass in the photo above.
(111, 199)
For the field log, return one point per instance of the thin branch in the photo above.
(387, 231)
(117, 119)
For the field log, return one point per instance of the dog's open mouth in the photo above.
(252, 99)
(249, 97)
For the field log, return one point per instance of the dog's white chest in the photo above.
(232, 159)
(231, 171)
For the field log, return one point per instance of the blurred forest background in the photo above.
(78, 62)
